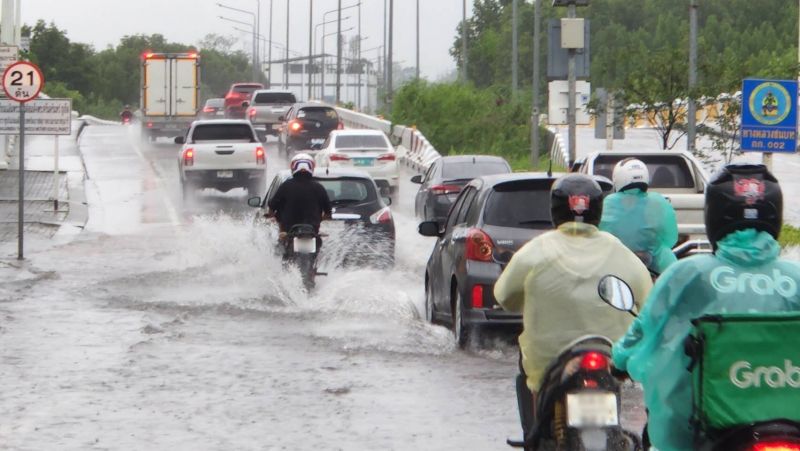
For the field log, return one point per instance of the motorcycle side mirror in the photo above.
(429, 228)
(417, 179)
(616, 293)
(254, 202)
(180, 140)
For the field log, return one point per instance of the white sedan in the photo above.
(366, 150)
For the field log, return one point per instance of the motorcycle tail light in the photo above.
(594, 361)
(776, 446)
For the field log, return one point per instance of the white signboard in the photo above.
(42, 117)
(8, 56)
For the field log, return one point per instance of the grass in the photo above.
(521, 163)
(790, 236)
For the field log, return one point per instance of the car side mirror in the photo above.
(254, 202)
(429, 228)
(282, 118)
(417, 179)
(316, 146)
(387, 200)
(616, 293)
(245, 104)
(180, 140)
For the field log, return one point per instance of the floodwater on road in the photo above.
(164, 327)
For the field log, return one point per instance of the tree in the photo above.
(724, 133)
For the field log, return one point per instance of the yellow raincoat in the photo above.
(553, 281)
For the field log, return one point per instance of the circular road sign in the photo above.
(23, 81)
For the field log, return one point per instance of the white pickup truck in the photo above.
(222, 154)
(675, 174)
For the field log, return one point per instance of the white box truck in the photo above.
(170, 93)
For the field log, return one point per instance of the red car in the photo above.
(239, 93)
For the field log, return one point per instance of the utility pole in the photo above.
(464, 56)
(258, 41)
(339, 52)
(417, 40)
(537, 12)
(514, 49)
(390, 57)
(571, 113)
(691, 133)
(286, 64)
(360, 61)
(269, 44)
(310, 44)
(385, 43)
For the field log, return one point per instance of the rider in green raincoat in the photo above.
(643, 220)
(743, 218)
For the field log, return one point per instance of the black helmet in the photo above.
(743, 196)
(576, 197)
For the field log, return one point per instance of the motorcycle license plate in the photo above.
(592, 409)
(224, 174)
(305, 245)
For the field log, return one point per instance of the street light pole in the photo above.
(691, 133)
(338, 52)
(286, 64)
(417, 40)
(537, 13)
(390, 69)
(514, 49)
(360, 66)
(572, 111)
(255, 32)
(270, 44)
(310, 43)
(258, 44)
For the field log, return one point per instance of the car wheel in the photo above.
(461, 331)
(430, 309)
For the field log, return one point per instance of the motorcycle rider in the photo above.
(743, 213)
(126, 115)
(553, 279)
(643, 220)
(300, 199)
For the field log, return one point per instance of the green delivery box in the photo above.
(746, 369)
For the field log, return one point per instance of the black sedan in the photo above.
(445, 178)
(491, 219)
(362, 228)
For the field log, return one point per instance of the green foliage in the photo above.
(102, 82)
(790, 236)
(462, 119)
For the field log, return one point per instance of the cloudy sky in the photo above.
(103, 22)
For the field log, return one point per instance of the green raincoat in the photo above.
(552, 281)
(653, 349)
(645, 222)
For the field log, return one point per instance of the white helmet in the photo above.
(302, 162)
(630, 173)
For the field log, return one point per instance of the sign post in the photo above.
(22, 82)
(769, 117)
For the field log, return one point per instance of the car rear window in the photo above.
(361, 142)
(275, 97)
(470, 170)
(666, 171)
(521, 204)
(216, 103)
(344, 190)
(248, 89)
(318, 114)
(223, 132)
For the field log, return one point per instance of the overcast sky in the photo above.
(103, 22)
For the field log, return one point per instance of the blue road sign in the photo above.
(769, 115)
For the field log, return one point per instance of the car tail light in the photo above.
(148, 55)
(387, 157)
(776, 446)
(340, 126)
(338, 157)
(593, 361)
(252, 113)
(295, 126)
(188, 157)
(208, 109)
(479, 246)
(445, 189)
(260, 157)
(149, 125)
(382, 216)
(477, 296)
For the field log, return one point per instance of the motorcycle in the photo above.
(301, 249)
(577, 407)
(778, 434)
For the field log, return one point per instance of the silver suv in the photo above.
(266, 106)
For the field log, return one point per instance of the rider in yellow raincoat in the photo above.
(553, 279)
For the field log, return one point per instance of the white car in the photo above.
(222, 154)
(366, 150)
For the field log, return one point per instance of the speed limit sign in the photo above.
(23, 81)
